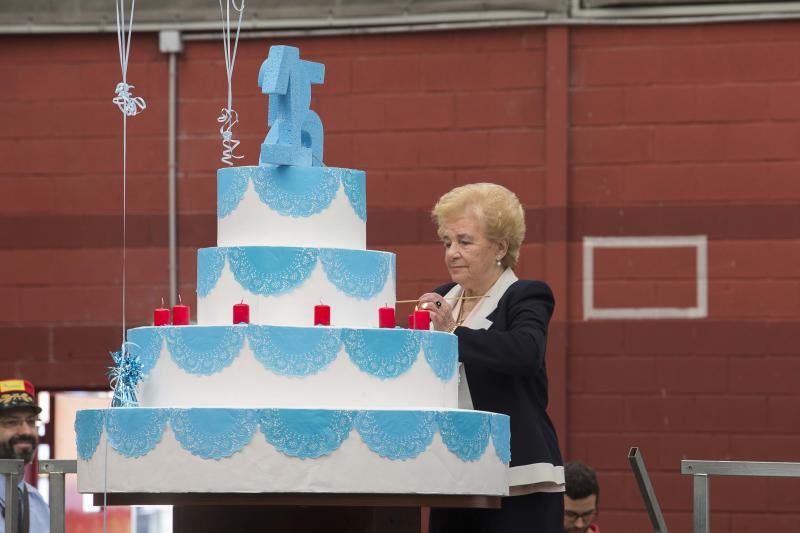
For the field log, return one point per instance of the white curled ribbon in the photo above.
(128, 104)
(228, 118)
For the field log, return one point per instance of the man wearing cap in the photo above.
(19, 418)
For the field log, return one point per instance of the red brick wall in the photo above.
(685, 130)
(60, 198)
(688, 130)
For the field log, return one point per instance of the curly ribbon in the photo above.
(129, 105)
(124, 377)
(228, 118)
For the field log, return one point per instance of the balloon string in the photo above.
(228, 116)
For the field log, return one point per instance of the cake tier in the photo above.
(282, 284)
(282, 366)
(291, 206)
(292, 450)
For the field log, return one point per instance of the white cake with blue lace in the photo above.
(281, 405)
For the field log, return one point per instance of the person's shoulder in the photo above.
(33, 490)
(527, 288)
(444, 289)
(529, 293)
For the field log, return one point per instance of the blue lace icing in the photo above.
(355, 187)
(269, 271)
(465, 434)
(204, 350)
(231, 186)
(214, 433)
(382, 353)
(134, 431)
(306, 433)
(358, 274)
(291, 351)
(295, 351)
(292, 191)
(501, 437)
(441, 352)
(88, 428)
(210, 262)
(296, 192)
(396, 434)
(145, 343)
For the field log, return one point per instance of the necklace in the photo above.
(462, 316)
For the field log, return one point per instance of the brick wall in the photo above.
(60, 198)
(685, 130)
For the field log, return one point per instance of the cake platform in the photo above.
(299, 513)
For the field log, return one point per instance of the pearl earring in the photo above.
(498, 261)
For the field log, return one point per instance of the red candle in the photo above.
(422, 320)
(180, 315)
(411, 321)
(322, 315)
(386, 317)
(241, 313)
(161, 316)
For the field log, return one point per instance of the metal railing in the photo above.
(646, 488)
(12, 469)
(57, 470)
(701, 471)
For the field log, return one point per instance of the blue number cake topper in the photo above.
(295, 135)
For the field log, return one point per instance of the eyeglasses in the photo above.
(587, 516)
(13, 423)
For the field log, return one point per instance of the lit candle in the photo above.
(386, 317)
(422, 320)
(180, 314)
(322, 315)
(161, 315)
(241, 313)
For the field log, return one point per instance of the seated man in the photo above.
(19, 418)
(580, 499)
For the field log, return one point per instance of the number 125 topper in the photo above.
(296, 134)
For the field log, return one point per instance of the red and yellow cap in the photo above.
(17, 393)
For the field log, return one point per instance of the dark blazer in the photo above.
(506, 370)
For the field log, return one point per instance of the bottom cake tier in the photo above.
(227, 450)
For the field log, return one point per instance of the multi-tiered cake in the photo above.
(281, 405)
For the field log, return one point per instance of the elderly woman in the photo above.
(501, 324)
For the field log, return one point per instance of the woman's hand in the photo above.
(440, 311)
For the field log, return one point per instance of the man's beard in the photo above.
(7, 448)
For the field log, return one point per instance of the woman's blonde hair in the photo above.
(496, 208)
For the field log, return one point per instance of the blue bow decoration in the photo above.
(124, 377)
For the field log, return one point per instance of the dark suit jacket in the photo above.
(506, 371)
